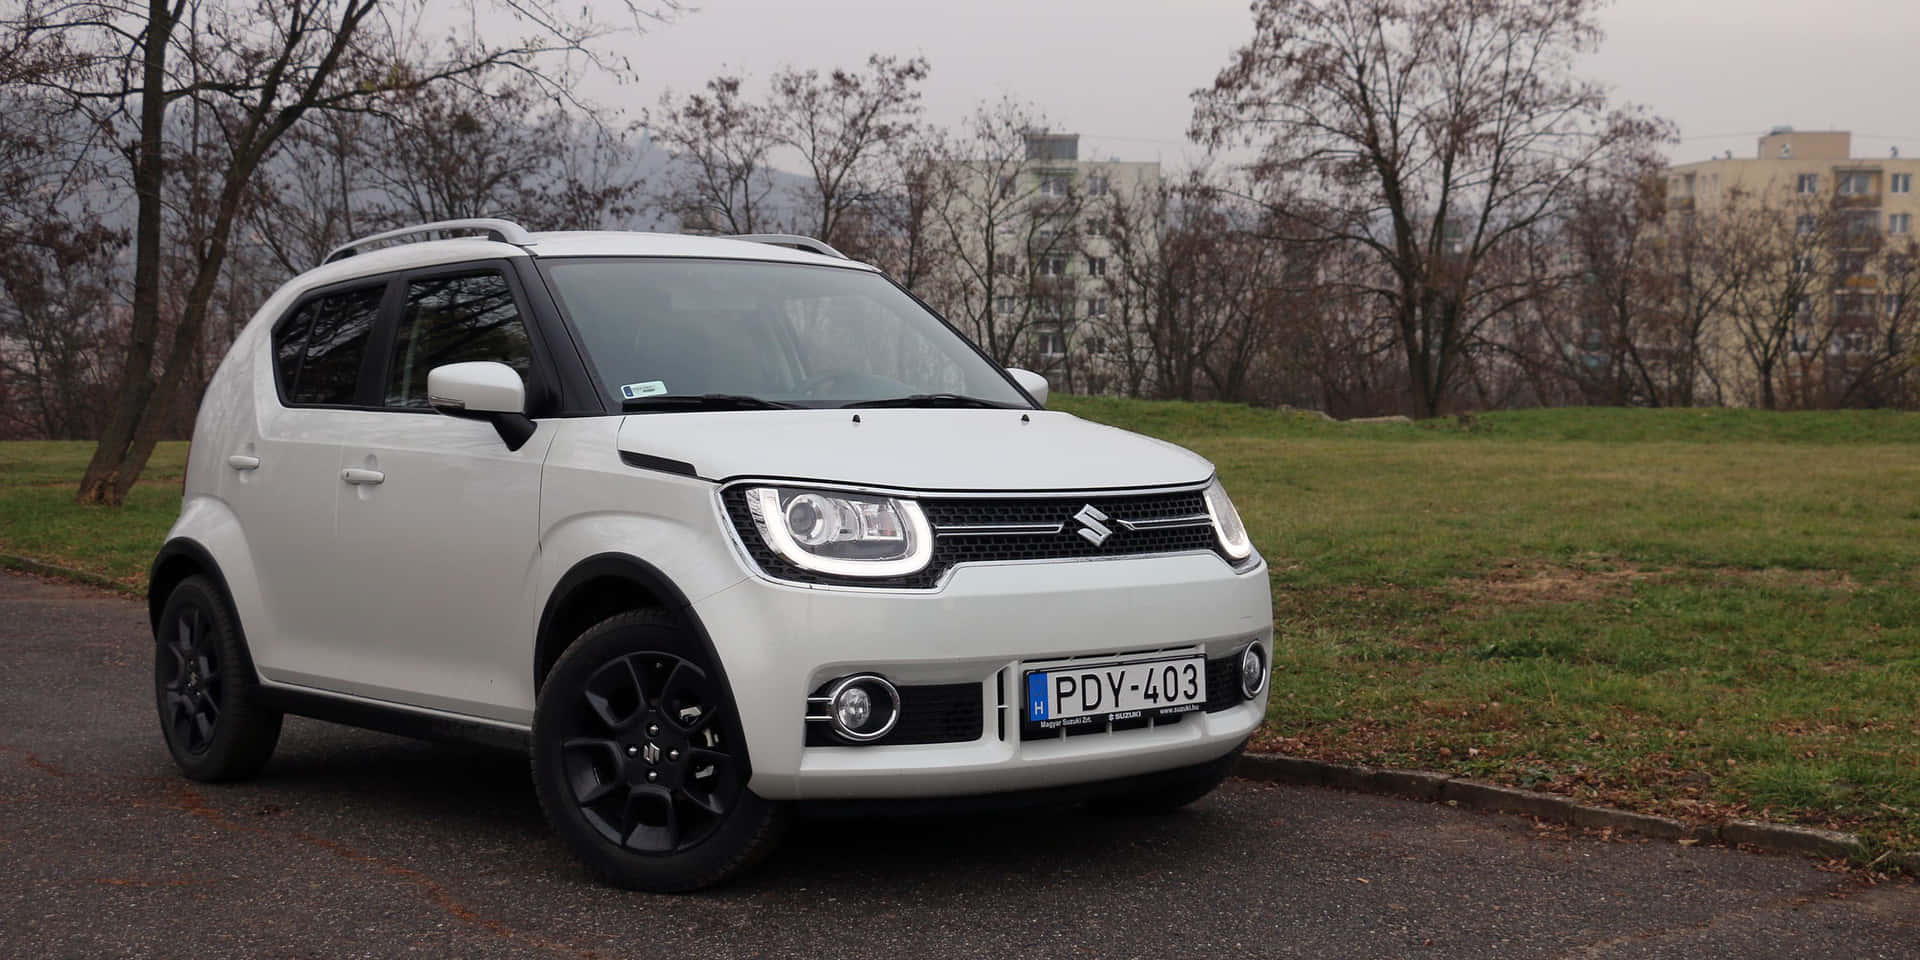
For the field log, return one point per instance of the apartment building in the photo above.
(1033, 276)
(1868, 203)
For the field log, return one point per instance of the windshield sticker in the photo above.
(651, 388)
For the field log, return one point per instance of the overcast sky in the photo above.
(1119, 71)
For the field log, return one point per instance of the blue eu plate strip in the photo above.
(1036, 696)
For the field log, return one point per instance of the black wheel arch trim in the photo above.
(202, 558)
(547, 648)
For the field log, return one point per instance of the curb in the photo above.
(1435, 787)
(9, 561)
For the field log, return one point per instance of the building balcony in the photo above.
(1856, 201)
(1679, 203)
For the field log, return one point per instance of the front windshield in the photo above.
(786, 334)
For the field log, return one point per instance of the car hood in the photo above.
(914, 449)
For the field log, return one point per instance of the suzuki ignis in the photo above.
(708, 527)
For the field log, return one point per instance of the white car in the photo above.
(710, 527)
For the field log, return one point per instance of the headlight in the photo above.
(1226, 523)
(845, 534)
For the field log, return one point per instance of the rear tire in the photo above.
(1180, 788)
(640, 763)
(205, 689)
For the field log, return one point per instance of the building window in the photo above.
(1003, 306)
(1803, 262)
(1096, 306)
(1856, 184)
(1853, 304)
(1054, 266)
(1006, 187)
(1097, 185)
(1860, 223)
(1096, 266)
(1901, 183)
(1005, 263)
(1055, 184)
(1899, 222)
(1053, 343)
(1094, 345)
(1803, 224)
(1808, 183)
(1096, 226)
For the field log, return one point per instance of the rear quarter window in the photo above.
(320, 348)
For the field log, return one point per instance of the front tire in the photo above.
(208, 698)
(640, 763)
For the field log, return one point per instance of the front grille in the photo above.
(929, 713)
(1048, 530)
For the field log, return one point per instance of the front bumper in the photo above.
(779, 642)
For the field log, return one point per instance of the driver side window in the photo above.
(453, 320)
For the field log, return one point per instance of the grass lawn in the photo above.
(40, 521)
(1700, 613)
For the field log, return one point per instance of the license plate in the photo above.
(1078, 694)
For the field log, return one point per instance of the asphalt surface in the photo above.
(357, 844)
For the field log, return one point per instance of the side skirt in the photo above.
(395, 720)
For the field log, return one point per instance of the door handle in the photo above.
(241, 461)
(362, 477)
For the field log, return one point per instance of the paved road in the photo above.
(356, 844)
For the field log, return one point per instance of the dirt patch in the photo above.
(1517, 582)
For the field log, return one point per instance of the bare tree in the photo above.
(255, 71)
(503, 147)
(57, 325)
(1009, 234)
(1431, 133)
(1882, 369)
(1783, 303)
(719, 178)
(846, 128)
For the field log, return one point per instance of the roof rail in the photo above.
(505, 231)
(793, 240)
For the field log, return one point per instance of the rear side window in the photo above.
(454, 320)
(320, 348)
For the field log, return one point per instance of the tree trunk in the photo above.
(117, 459)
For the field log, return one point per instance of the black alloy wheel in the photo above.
(191, 685)
(208, 699)
(645, 762)
(640, 763)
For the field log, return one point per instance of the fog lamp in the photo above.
(1253, 670)
(863, 708)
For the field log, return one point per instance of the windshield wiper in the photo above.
(703, 401)
(932, 400)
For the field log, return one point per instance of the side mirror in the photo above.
(477, 387)
(483, 390)
(1034, 384)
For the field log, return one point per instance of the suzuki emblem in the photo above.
(1093, 525)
